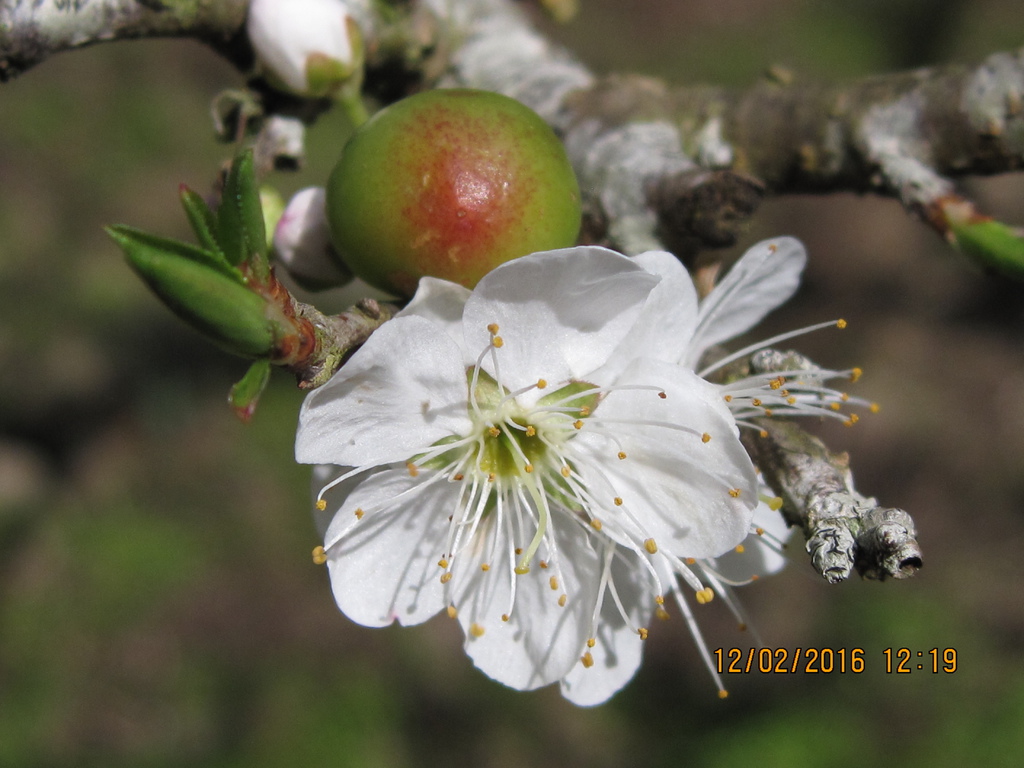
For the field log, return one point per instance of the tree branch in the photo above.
(642, 149)
(32, 30)
(844, 529)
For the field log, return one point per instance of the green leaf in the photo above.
(246, 393)
(992, 244)
(216, 305)
(139, 241)
(240, 228)
(202, 219)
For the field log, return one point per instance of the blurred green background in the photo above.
(158, 605)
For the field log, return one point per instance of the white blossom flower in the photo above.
(539, 458)
(307, 47)
(508, 458)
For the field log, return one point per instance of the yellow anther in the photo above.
(459, 477)
(413, 469)
(651, 546)
(321, 504)
(659, 599)
(775, 504)
(493, 328)
(728, 398)
(723, 694)
(359, 513)
(705, 438)
(561, 600)
(597, 525)
(519, 550)
(642, 631)
(442, 563)
(791, 400)
(760, 531)
(476, 630)
(767, 411)
(618, 501)
(740, 548)
(690, 561)
(498, 342)
(591, 642)
(485, 567)
(856, 373)
(531, 430)
(705, 596)
(541, 383)
(834, 406)
(755, 577)
(490, 477)
(528, 468)
(840, 323)
(734, 492)
(662, 395)
(566, 471)
(319, 555)
(844, 397)
(587, 659)
(452, 613)
(875, 408)
(661, 613)
(763, 433)
(553, 582)
(755, 402)
(446, 577)
(578, 424)
(521, 569)
(504, 617)
(772, 247)
(777, 383)
(622, 455)
(584, 411)
(543, 563)
(493, 431)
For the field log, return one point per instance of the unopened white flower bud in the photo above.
(303, 243)
(310, 48)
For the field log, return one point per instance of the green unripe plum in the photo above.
(450, 183)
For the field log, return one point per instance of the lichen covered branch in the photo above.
(32, 30)
(682, 166)
(844, 529)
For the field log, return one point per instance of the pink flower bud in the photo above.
(303, 243)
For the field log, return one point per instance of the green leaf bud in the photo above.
(217, 305)
(246, 393)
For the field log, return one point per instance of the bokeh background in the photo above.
(158, 605)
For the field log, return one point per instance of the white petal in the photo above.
(760, 556)
(384, 567)
(619, 650)
(561, 314)
(763, 279)
(441, 302)
(667, 322)
(673, 484)
(541, 641)
(403, 390)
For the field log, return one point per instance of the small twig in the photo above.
(844, 529)
(329, 340)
